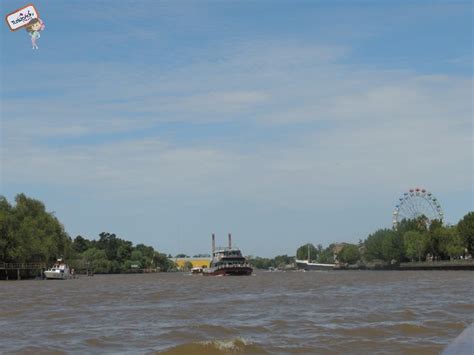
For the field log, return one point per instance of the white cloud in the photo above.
(367, 131)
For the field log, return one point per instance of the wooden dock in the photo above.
(21, 266)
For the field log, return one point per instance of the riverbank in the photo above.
(439, 265)
(413, 266)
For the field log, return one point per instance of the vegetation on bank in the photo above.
(413, 240)
(110, 254)
(316, 254)
(28, 233)
(280, 262)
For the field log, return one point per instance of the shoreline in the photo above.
(414, 266)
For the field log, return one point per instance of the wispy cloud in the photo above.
(295, 127)
(376, 118)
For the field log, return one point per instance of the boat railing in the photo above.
(226, 266)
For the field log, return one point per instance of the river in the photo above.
(334, 312)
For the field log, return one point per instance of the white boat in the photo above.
(308, 265)
(197, 270)
(59, 271)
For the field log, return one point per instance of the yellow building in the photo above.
(197, 262)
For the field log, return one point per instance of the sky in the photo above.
(281, 122)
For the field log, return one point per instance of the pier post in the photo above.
(18, 274)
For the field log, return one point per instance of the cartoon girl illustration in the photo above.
(34, 27)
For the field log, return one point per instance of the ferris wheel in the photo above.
(417, 203)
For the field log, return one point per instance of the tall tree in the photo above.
(7, 241)
(465, 229)
(302, 252)
(30, 233)
(80, 244)
(384, 244)
(415, 244)
(449, 243)
(373, 245)
(349, 254)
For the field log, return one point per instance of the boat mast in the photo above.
(213, 244)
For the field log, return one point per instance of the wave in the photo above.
(216, 347)
(410, 329)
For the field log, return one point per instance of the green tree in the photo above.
(437, 238)
(163, 262)
(373, 245)
(450, 243)
(124, 251)
(326, 256)
(147, 254)
(283, 260)
(415, 244)
(80, 244)
(96, 260)
(349, 254)
(384, 244)
(392, 247)
(187, 266)
(302, 252)
(146, 251)
(260, 263)
(465, 229)
(29, 233)
(109, 243)
(418, 224)
(7, 240)
(137, 258)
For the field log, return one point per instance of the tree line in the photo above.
(280, 261)
(413, 240)
(111, 254)
(28, 233)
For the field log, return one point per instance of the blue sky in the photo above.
(282, 122)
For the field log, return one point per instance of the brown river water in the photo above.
(328, 312)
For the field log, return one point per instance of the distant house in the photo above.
(197, 262)
(337, 247)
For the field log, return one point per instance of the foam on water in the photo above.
(216, 347)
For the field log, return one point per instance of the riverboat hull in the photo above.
(51, 275)
(230, 271)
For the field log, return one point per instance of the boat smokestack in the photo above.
(230, 241)
(213, 244)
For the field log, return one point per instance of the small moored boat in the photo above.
(197, 270)
(59, 271)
